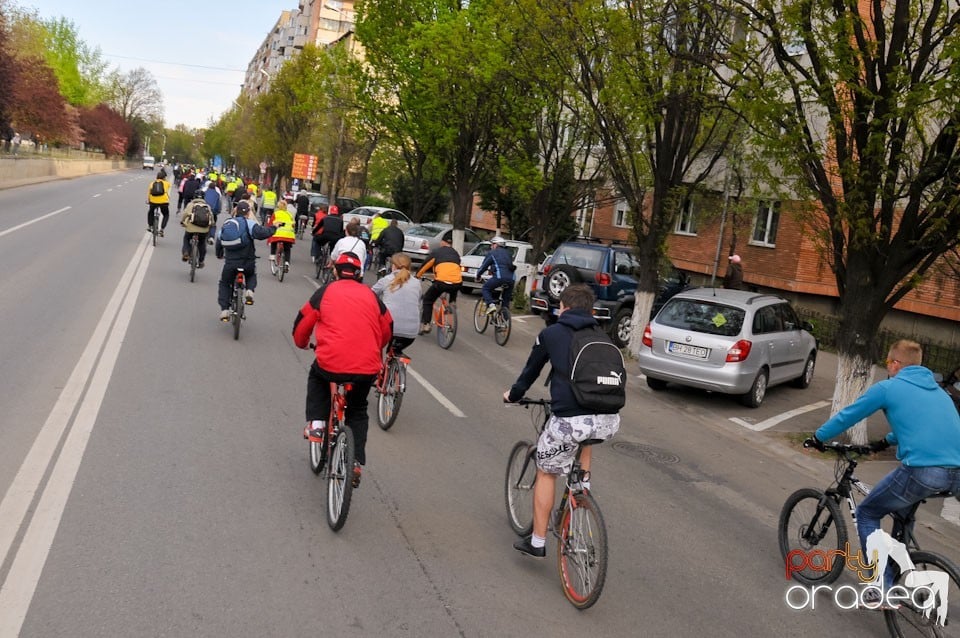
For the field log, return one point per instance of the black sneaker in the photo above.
(524, 547)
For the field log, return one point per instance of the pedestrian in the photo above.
(734, 277)
(15, 142)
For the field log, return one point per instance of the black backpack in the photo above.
(597, 374)
(157, 189)
(201, 215)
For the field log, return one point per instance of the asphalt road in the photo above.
(156, 483)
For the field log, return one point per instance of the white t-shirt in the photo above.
(353, 245)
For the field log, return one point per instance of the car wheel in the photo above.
(804, 379)
(558, 280)
(656, 384)
(758, 390)
(621, 327)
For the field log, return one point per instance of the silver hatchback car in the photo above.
(729, 341)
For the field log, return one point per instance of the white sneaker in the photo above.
(225, 315)
(248, 297)
(491, 308)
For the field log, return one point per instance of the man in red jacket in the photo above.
(350, 327)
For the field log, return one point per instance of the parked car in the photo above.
(319, 200)
(149, 162)
(611, 272)
(420, 239)
(470, 263)
(729, 341)
(365, 215)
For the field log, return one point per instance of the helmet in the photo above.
(348, 265)
(499, 240)
(334, 209)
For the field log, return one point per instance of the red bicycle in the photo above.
(390, 386)
(333, 454)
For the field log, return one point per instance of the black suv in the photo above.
(610, 270)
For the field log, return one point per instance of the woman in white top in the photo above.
(400, 292)
(352, 243)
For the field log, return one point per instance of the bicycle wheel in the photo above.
(447, 332)
(501, 327)
(318, 456)
(340, 478)
(518, 487)
(155, 229)
(480, 317)
(941, 599)
(319, 266)
(582, 551)
(811, 521)
(194, 258)
(388, 403)
(278, 263)
(237, 311)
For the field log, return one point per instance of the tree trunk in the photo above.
(854, 375)
(643, 304)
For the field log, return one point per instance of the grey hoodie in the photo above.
(403, 304)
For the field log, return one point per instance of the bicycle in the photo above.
(445, 319)
(337, 446)
(301, 225)
(811, 520)
(194, 256)
(576, 523)
(277, 264)
(390, 386)
(155, 229)
(501, 318)
(238, 302)
(324, 268)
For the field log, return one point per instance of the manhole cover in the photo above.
(645, 452)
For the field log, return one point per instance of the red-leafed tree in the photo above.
(38, 108)
(105, 129)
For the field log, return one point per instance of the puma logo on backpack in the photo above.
(157, 189)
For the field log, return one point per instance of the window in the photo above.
(767, 320)
(766, 223)
(622, 216)
(686, 222)
(585, 218)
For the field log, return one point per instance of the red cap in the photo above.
(333, 210)
(347, 261)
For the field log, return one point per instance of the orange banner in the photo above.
(304, 167)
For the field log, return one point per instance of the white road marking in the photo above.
(444, 401)
(34, 221)
(97, 195)
(774, 420)
(951, 510)
(21, 581)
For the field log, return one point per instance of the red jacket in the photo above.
(349, 325)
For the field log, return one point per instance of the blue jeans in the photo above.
(493, 283)
(897, 492)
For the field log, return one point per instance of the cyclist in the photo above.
(400, 293)
(377, 226)
(926, 428)
(351, 243)
(211, 195)
(328, 230)
(391, 243)
(191, 228)
(303, 208)
(445, 262)
(350, 327)
(285, 237)
(569, 423)
(500, 263)
(243, 255)
(159, 202)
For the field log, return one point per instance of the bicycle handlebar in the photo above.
(525, 401)
(840, 448)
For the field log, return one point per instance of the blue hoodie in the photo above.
(553, 345)
(925, 423)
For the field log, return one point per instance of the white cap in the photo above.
(499, 240)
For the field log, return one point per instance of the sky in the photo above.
(198, 56)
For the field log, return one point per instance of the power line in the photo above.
(198, 66)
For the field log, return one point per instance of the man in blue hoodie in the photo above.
(500, 263)
(926, 429)
(569, 422)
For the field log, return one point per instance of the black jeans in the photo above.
(201, 244)
(318, 403)
(164, 210)
(228, 275)
(436, 289)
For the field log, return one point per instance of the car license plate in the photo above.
(687, 350)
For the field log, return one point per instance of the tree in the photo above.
(646, 74)
(857, 102)
(38, 108)
(135, 95)
(105, 129)
(80, 70)
(8, 71)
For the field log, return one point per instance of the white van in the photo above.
(149, 162)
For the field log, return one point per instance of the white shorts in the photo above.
(557, 446)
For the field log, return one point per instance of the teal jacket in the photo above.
(925, 423)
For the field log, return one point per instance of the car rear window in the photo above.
(424, 231)
(579, 257)
(702, 316)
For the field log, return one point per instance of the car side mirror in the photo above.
(807, 326)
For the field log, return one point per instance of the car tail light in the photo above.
(424, 245)
(603, 279)
(546, 269)
(739, 351)
(647, 336)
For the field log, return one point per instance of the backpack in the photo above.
(234, 233)
(157, 189)
(201, 215)
(597, 374)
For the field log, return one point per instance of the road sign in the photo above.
(304, 166)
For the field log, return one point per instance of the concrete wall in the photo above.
(19, 171)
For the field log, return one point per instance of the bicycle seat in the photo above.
(591, 441)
